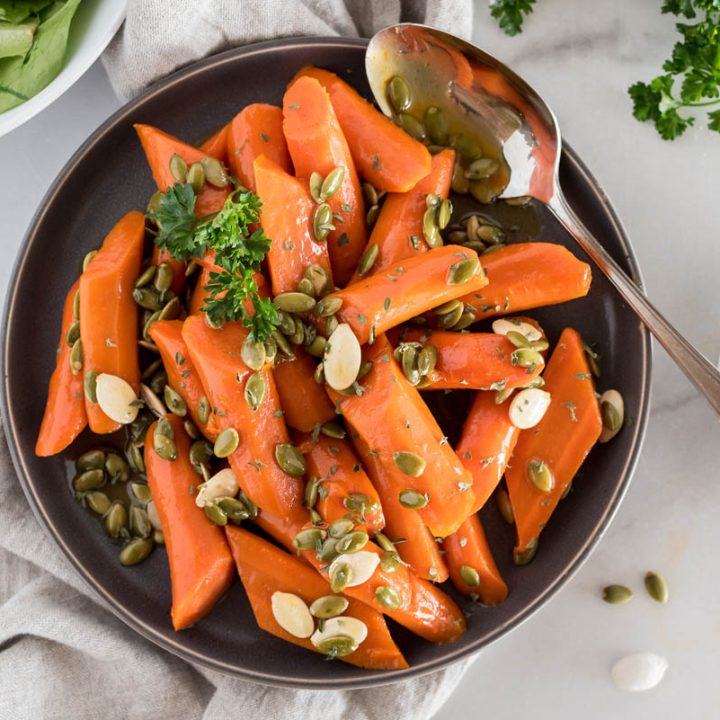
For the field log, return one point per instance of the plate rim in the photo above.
(176, 647)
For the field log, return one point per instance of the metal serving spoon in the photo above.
(486, 101)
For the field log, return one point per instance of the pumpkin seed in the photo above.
(328, 606)
(333, 430)
(483, 191)
(656, 587)
(342, 358)
(252, 508)
(139, 522)
(76, 357)
(387, 597)
(337, 646)
(171, 311)
(340, 527)
(541, 476)
(410, 365)
(175, 402)
(359, 503)
(287, 323)
(148, 324)
(329, 305)
(164, 446)
(136, 458)
(253, 354)
(309, 539)
(317, 347)
(524, 557)
(234, 509)
(158, 537)
(452, 318)
(203, 410)
(270, 349)
(73, 334)
(372, 215)
(413, 499)
(502, 499)
(517, 339)
(196, 177)
(319, 278)
(255, 390)
(322, 222)
(306, 287)
(612, 410)
(467, 318)
(89, 480)
(331, 325)
(340, 575)
(526, 357)
(290, 459)
(319, 374)
(294, 302)
(163, 278)
(458, 182)
(390, 561)
(191, 430)
(466, 146)
(352, 543)
(370, 194)
(444, 214)
(617, 594)
(76, 305)
(91, 460)
(201, 452)
(88, 259)
(469, 575)
(540, 345)
(116, 468)
(481, 168)
(331, 184)
(158, 382)
(215, 514)
(489, 234)
(463, 271)
(427, 360)
(448, 307)
(136, 551)
(458, 237)
(152, 401)
(327, 552)
(116, 519)
(178, 168)
(316, 181)
(493, 248)
(98, 502)
(368, 259)
(412, 126)
(311, 491)
(215, 322)
(399, 94)
(309, 334)
(146, 277)
(147, 298)
(409, 463)
(437, 125)
(214, 172)
(226, 443)
(431, 233)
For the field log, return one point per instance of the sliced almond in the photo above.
(221, 484)
(116, 398)
(342, 359)
(362, 566)
(292, 614)
(641, 671)
(528, 407)
(342, 625)
(504, 326)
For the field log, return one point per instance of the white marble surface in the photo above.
(581, 55)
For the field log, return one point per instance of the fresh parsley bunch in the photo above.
(238, 250)
(511, 13)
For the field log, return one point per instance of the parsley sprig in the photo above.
(692, 75)
(510, 14)
(238, 252)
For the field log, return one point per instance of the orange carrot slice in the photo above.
(216, 145)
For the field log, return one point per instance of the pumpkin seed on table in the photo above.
(136, 551)
(656, 587)
(290, 459)
(388, 597)
(409, 463)
(328, 606)
(612, 411)
(214, 172)
(617, 594)
(294, 302)
(413, 499)
(540, 475)
(116, 520)
(226, 443)
(178, 168)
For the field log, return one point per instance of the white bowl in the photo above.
(94, 24)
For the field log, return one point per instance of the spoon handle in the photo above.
(698, 369)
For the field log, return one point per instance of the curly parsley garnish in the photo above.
(511, 13)
(238, 252)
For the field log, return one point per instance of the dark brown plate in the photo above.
(107, 177)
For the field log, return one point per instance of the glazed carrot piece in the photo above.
(304, 402)
(265, 569)
(199, 294)
(561, 441)
(65, 416)
(529, 275)
(398, 231)
(486, 444)
(201, 566)
(468, 548)
(216, 357)
(317, 144)
(108, 313)
(384, 154)
(416, 545)
(341, 476)
(471, 361)
(177, 266)
(256, 130)
(379, 303)
(424, 608)
(391, 418)
(182, 375)
(216, 145)
(159, 147)
(287, 218)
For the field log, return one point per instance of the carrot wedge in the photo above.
(471, 361)
(216, 145)
(393, 420)
(265, 570)
(341, 478)
(216, 357)
(108, 313)
(424, 608)
(467, 550)
(287, 218)
(159, 147)
(317, 144)
(304, 402)
(486, 444)
(398, 231)
(560, 442)
(182, 375)
(529, 275)
(378, 303)
(416, 545)
(201, 566)
(384, 154)
(256, 130)
(65, 416)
